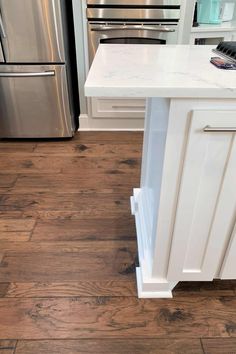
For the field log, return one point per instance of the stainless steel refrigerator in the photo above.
(38, 78)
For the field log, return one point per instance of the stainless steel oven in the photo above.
(132, 22)
(128, 22)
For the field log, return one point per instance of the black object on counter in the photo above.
(227, 49)
(223, 63)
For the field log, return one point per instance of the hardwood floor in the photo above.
(67, 258)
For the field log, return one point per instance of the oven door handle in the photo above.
(133, 28)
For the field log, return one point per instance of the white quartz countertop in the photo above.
(129, 70)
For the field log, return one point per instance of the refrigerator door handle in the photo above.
(27, 74)
(2, 29)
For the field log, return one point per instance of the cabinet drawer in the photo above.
(118, 108)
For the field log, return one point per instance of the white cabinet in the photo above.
(210, 34)
(209, 37)
(118, 108)
(185, 210)
(207, 198)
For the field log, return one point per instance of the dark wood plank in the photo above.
(15, 248)
(103, 317)
(21, 236)
(27, 163)
(7, 346)
(11, 214)
(3, 288)
(70, 289)
(69, 214)
(222, 317)
(108, 137)
(70, 267)
(61, 262)
(114, 346)
(16, 147)
(107, 182)
(90, 149)
(16, 229)
(95, 165)
(207, 288)
(7, 181)
(70, 164)
(85, 229)
(16, 225)
(83, 204)
(219, 345)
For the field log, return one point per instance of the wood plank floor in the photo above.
(67, 258)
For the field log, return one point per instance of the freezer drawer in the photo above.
(34, 102)
(32, 31)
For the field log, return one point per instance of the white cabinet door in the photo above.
(206, 202)
(228, 270)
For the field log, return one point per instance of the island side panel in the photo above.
(169, 188)
(145, 202)
(152, 165)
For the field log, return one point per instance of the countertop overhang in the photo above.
(129, 70)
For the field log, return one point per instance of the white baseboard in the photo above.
(84, 122)
(87, 123)
(151, 288)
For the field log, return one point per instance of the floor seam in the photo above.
(32, 231)
(202, 346)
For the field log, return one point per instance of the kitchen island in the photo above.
(185, 208)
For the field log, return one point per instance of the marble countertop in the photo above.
(124, 70)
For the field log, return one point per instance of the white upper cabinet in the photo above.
(210, 34)
(207, 199)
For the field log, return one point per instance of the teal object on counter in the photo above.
(209, 11)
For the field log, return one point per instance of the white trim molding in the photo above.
(86, 123)
(147, 285)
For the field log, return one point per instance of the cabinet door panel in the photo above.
(228, 270)
(197, 243)
(224, 220)
(229, 266)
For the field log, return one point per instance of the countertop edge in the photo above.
(131, 92)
